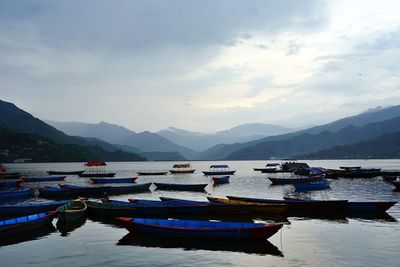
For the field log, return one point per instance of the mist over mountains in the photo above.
(343, 138)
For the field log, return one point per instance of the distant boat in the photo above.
(221, 180)
(65, 172)
(25, 224)
(297, 180)
(96, 169)
(156, 173)
(182, 168)
(113, 180)
(20, 193)
(30, 208)
(219, 170)
(200, 229)
(43, 179)
(102, 190)
(106, 174)
(181, 187)
(72, 211)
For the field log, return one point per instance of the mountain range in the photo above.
(343, 138)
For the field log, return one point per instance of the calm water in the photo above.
(302, 241)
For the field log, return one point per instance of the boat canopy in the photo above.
(219, 166)
(182, 165)
(95, 163)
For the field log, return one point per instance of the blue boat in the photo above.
(219, 170)
(128, 189)
(113, 180)
(221, 180)
(30, 208)
(20, 193)
(317, 185)
(43, 179)
(199, 229)
(369, 206)
(11, 184)
(181, 187)
(157, 207)
(85, 190)
(56, 192)
(24, 224)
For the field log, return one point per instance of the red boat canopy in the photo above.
(95, 163)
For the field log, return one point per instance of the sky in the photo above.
(199, 65)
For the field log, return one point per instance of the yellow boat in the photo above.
(253, 207)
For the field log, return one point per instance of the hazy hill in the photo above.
(242, 133)
(308, 143)
(15, 120)
(143, 141)
(381, 147)
(362, 119)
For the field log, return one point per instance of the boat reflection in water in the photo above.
(28, 236)
(66, 227)
(259, 247)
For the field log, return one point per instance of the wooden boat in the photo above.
(317, 185)
(155, 173)
(181, 187)
(297, 205)
(221, 180)
(56, 192)
(30, 208)
(199, 229)
(64, 172)
(24, 224)
(137, 188)
(160, 207)
(102, 190)
(182, 168)
(369, 206)
(90, 174)
(72, 211)
(110, 210)
(253, 207)
(20, 193)
(113, 180)
(353, 172)
(10, 176)
(9, 184)
(219, 170)
(297, 180)
(43, 179)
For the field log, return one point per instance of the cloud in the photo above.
(293, 48)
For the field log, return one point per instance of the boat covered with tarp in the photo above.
(182, 168)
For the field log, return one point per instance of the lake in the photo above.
(301, 242)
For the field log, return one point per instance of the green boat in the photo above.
(72, 211)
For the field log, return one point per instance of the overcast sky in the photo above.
(199, 65)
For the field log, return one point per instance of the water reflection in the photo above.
(248, 247)
(28, 236)
(66, 227)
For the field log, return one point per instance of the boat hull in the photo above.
(282, 181)
(15, 194)
(318, 185)
(181, 171)
(221, 180)
(194, 229)
(181, 187)
(11, 184)
(152, 173)
(72, 211)
(32, 208)
(110, 174)
(43, 179)
(369, 206)
(31, 224)
(113, 180)
(253, 207)
(64, 173)
(208, 173)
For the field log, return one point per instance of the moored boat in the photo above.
(200, 229)
(220, 180)
(296, 180)
(252, 207)
(43, 179)
(396, 184)
(299, 205)
(113, 180)
(369, 206)
(19, 193)
(105, 174)
(155, 173)
(26, 223)
(182, 168)
(56, 192)
(9, 184)
(96, 169)
(64, 172)
(72, 211)
(316, 185)
(137, 188)
(181, 187)
(85, 190)
(222, 169)
(10, 176)
(30, 208)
